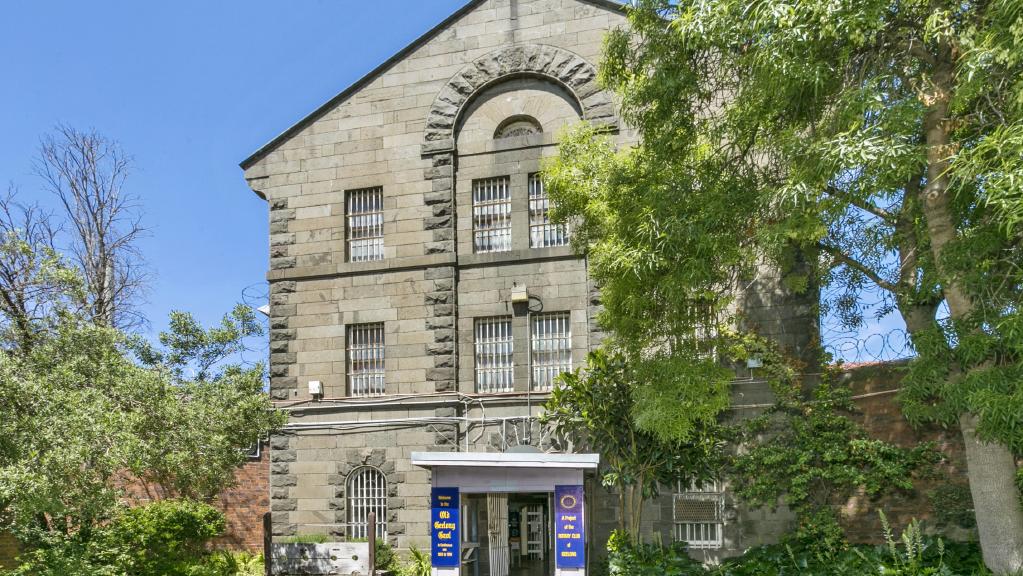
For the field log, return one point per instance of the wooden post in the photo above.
(371, 537)
(267, 545)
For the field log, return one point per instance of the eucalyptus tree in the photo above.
(880, 140)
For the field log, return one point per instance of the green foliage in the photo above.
(597, 407)
(164, 538)
(880, 141)
(809, 453)
(418, 563)
(86, 410)
(306, 539)
(627, 558)
(910, 554)
(953, 505)
(226, 563)
(384, 557)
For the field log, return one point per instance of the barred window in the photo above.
(494, 365)
(491, 214)
(365, 214)
(365, 359)
(698, 515)
(366, 492)
(551, 348)
(542, 232)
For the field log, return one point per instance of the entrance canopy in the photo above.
(494, 472)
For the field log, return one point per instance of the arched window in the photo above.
(517, 126)
(367, 492)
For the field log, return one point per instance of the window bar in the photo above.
(551, 349)
(365, 225)
(542, 232)
(367, 492)
(366, 360)
(494, 349)
(491, 215)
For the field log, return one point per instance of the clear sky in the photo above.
(189, 88)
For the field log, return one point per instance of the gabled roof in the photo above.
(372, 75)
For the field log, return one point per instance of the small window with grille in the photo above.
(699, 515)
(542, 232)
(366, 359)
(551, 348)
(364, 210)
(366, 492)
(494, 346)
(491, 215)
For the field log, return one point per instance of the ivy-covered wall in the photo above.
(942, 501)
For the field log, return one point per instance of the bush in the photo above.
(626, 558)
(910, 554)
(418, 564)
(166, 538)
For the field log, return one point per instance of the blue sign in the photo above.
(444, 528)
(569, 531)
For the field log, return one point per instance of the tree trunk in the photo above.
(996, 500)
(990, 466)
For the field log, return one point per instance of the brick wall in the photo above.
(883, 420)
(244, 506)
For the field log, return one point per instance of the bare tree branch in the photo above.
(87, 173)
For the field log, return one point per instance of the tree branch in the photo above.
(842, 258)
(865, 206)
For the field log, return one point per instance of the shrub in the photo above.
(384, 557)
(627, 558)
(910, 554)
(166, 538)
(418, 564)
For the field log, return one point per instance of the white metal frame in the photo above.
(542, 232)
(494, 354)
(365, 224)
(492, 215)
(550, 348)
(365, 351)
(365, 492)
(705, 535)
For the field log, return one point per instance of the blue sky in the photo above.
(189, 88)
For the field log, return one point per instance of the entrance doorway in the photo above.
(529, 534)
(502, 494)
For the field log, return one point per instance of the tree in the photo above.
(595, 407)
(87, 172)
(866, 136)
(81, 420)
(34, 278)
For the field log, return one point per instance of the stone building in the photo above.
(421, 301)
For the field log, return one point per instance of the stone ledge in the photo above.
(358, 268)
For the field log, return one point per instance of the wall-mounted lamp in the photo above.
(315, 389)
(519, 294)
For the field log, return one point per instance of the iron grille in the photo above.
(542, 232)
(491, 214)
(699, 515)
(367, 492)
(494, 346)
(551, 348)
(366, 360)
(365, 211)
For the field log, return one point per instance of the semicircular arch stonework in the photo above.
(564, 67)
